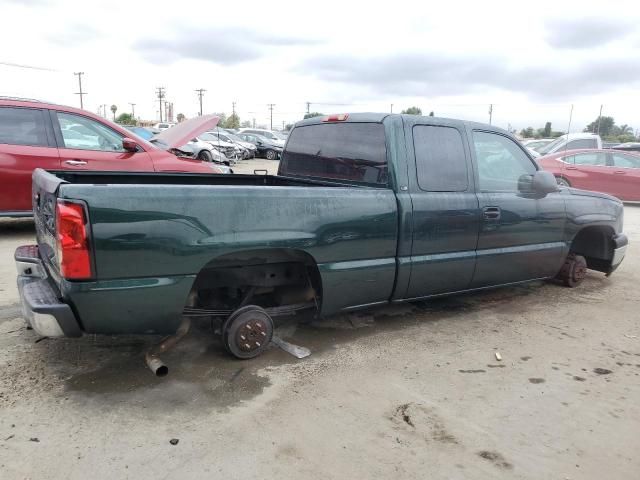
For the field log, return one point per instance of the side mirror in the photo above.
(129, 145)
(258, 142)
(541, 183)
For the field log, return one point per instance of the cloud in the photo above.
(74, 34)
(578, 33)
(225, 46)
(436, 74)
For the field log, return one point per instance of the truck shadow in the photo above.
(10, 227)
(202, 375)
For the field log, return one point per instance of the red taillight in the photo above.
(338, 117)
(73, 244)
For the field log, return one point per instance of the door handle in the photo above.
(491, 213)
(571, 168)
(75, 163)
(620, 172)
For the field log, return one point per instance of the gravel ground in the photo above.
(410, 391)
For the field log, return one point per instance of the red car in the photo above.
(36, 134)
(610, 171)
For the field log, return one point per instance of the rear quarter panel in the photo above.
(151, 241)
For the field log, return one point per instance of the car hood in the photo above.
(180, 134)
(589, 193)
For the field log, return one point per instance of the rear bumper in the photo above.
(41, 307)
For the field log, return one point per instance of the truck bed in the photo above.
(152, 178)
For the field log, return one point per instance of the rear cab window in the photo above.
(347, 152)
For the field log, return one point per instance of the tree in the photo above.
(246, 124)
(527, 132)
(313, 114)
(431, 113)
(126, 119)
(113, 110)
(625, 130)
(547, 130)
(180, 117)
(233, 121)
(605, 128)
(413, 111)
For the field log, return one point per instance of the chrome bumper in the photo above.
(41, 307)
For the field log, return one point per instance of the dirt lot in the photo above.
(403, 392)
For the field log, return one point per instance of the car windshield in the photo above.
(549, 147)
(279, 136)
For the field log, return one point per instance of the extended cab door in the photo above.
(86, 144)
(445, 208)
(521, 234)
(26, 143)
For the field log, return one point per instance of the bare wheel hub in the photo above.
(251, 335)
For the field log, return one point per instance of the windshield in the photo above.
(547, 148)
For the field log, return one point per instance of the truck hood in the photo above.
(589, 193)
(180, 134)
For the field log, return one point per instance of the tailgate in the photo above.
(44, 197)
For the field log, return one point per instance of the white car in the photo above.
(571, 141)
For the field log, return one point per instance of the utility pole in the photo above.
(233, 108)
(161, 95)
(254, 123)
(283, 125)
(81, 93)
(200, 92)
(490, 112)
(392, 108)
(599, 118)
(103, 110)
(271, 105)
(133, 110)
(308, 107)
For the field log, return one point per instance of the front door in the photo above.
(86, 144)
(521, 235)
(445, 210)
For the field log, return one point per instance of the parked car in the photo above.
(41, 135)
(249, 150)
(266, 147)
(142, 132)
(572, 141)
(628, 146)
(270, 135)
(232, 151)
(424, 207)
(535, 144)
(207, 153)
(164, 125)
(610, 171)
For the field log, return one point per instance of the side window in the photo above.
(501, 162)
(441, 163)
(83, 133)
(589, 159)
(626, 161)
(582, 143)
(23, 126)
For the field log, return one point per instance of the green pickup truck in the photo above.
(366, 209)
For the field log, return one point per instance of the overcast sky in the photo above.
(454, 58)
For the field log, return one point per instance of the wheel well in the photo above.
(270, 277)
(595, 243)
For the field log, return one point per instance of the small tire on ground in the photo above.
(271, 155)
(573, 271)
(247, 332)
(563, 182)
(205, 156)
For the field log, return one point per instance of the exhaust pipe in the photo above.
(152, 357)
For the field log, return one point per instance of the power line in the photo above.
(200, 92)
(271, 105)
(160, 93)
(81, 93)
